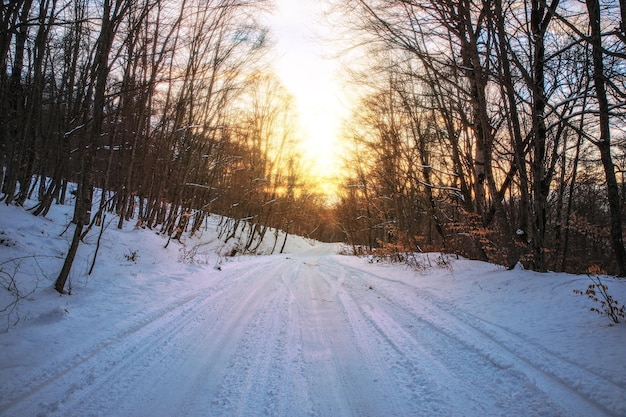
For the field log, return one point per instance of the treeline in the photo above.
(494, 129)
(158, 110)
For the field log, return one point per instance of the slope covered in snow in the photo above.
(181, 331)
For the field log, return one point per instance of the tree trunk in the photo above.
(539, 20)
(100, 72)
(59, 285)
(604, 143)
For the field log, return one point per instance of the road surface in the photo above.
(308, 335)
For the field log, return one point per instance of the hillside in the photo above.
(185, 331)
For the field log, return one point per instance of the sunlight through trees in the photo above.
(493, 130)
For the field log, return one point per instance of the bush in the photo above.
(598, 292)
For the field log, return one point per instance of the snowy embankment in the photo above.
(309, 333)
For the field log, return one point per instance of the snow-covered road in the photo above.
(310, 334)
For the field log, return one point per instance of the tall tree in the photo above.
(540, 17)
(604, 141)
(113, 13)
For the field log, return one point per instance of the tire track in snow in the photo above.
(587, 394)
(348, 374)
(315, 316)
(464, 382)
(213, 358)
(309, 336)
(263, 375)
(604, 393)
(60, 383)
(396, 377)
(104, 372)
(439, 382)
(516, 356)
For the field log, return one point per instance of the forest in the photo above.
(494, 130)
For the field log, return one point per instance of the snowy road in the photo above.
(310, 335)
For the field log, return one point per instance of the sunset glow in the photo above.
(305, 66)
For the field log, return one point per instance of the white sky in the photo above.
(305, 65)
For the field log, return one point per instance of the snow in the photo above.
(184, 331)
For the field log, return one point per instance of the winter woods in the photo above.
(493, 129)
(162, 111)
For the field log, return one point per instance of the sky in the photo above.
(305, 62)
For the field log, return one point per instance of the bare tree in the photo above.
(112, 15)
(604, 140)
(508, 85)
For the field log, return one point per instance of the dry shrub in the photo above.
(598, 292)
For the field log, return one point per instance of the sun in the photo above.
(305, 68)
